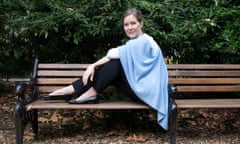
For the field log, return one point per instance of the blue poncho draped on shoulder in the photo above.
(147, 75)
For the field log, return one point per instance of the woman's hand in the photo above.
(88, 73)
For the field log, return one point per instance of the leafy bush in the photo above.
(193, 31)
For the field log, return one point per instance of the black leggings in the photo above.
(110, 73)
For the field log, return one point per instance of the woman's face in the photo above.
(132, 26)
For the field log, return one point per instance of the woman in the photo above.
(137, 68)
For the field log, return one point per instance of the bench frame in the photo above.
(26, 110)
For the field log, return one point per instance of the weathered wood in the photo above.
(223, 73)
(206, 88)
(57, 104)
(182, 103)
(201, 81)
(204, 66)
(49, 88)
(55, 81)
(61, 66)
(58, 73)
(208, 103)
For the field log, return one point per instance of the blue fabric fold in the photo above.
(147, 75)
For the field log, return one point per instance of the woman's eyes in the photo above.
(131, 23)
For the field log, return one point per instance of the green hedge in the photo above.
(193, 31)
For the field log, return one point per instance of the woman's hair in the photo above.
(134, 12)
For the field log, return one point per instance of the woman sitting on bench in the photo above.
(136, 68)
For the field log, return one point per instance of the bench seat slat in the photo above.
(182, 103)
(57, 104)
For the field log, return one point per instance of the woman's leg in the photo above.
(103, 77)
(76, 87)
(110, 74)
(65, 90)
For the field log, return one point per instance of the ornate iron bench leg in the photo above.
(172, 114)
(20, 123)
(20, 112)
(173, 123)
(34, 122)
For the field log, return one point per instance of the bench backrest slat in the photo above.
(59, 73)
(51, 88)
(205, 88)
(204, 66)
(200, 73)
(55, 81)
(192, 81)
(62, 66)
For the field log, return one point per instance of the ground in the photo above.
(195, 126)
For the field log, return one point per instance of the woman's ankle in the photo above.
(90, 92)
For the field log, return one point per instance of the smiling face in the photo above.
(132, 27)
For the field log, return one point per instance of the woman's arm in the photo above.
(111, 54)
(91, 69)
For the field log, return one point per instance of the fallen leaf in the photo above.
(99, 114)
(42, 119)
(111, 133)
(122, 132)
(29, 137)
(135, 138)
(55, 117)
(204, 113)
(142, 138)
(86, 125)
(216, 142)
(216, 116)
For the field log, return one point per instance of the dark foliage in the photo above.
(77, 31)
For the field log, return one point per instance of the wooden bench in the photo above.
(193, 84)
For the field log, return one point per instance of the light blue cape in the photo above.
(147, 75)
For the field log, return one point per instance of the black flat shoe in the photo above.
(91, 99)
(56, 97)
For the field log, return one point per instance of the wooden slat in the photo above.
(204, 81)
(204, 66)
(55, 81)
(207, 88)
(204, 73)
(58, 81)
(56, 73)
(182, 103)
(56, 104)
(208, 103)
(62, 66)
(48, 89)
